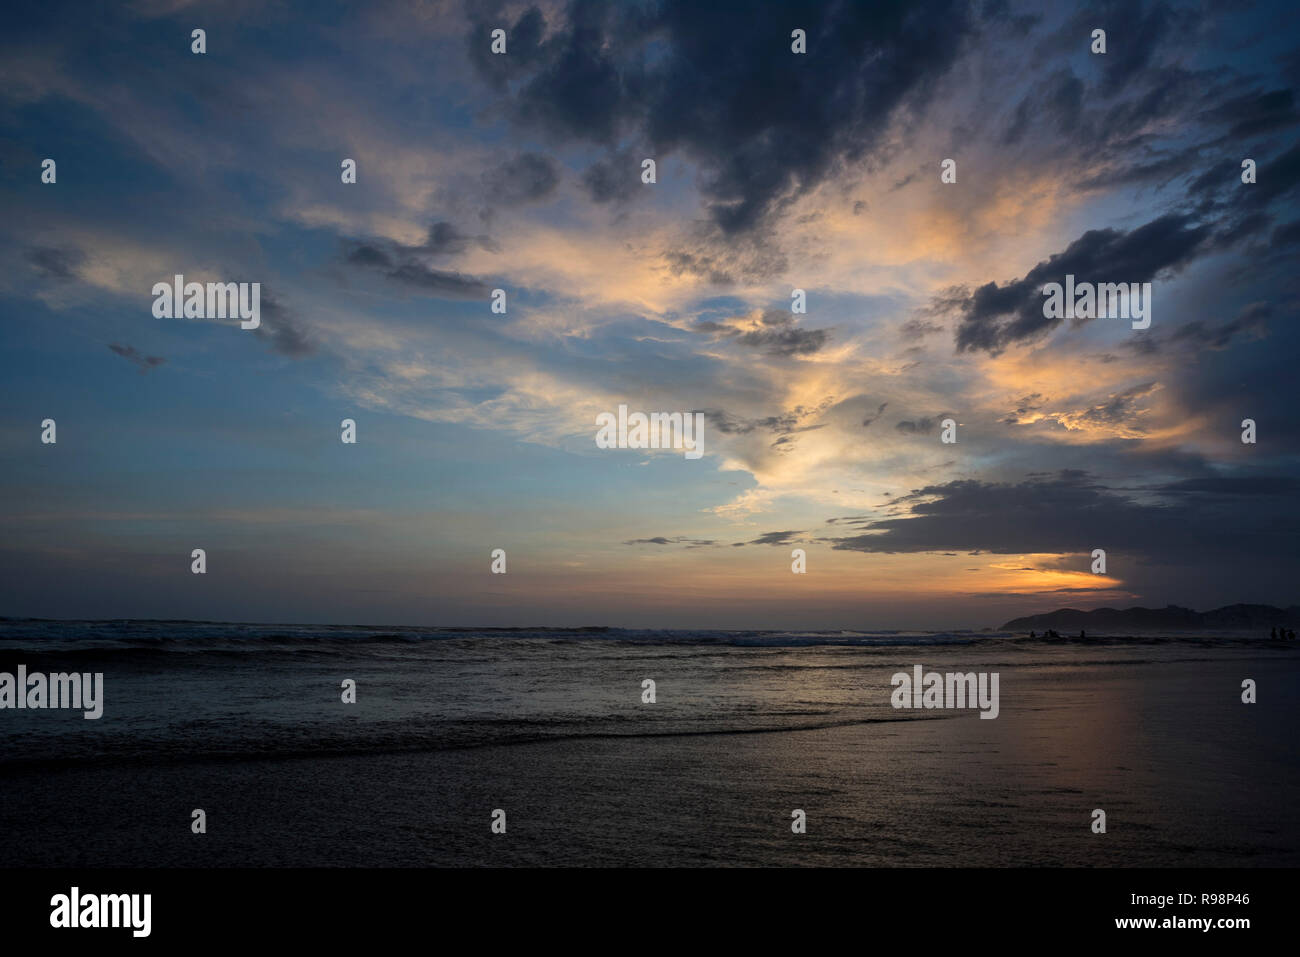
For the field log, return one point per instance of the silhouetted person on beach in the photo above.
(1082, 636)
(1273, 634)
(1290, 634)
(1032, 635)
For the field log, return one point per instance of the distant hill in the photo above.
(1171, 617)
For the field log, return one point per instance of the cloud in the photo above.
(282, 331)
(775, 170)
(1058, 101)
(1246, 486)
(995, 317)
(772, 330)
(922, 426)
(1135, 38)
(774, 538)
(767, 538)
(614, 178)
(407, 264)
(721, 84)
(365, 254)
(1072, 513)
(1121, 409)
(1024, 406)
(661, 540)
(131, 354)
(438, 282)
(1251, 322)
(1287, 234)
(871, 419)
(56, 262)
(788, 340)
(787, 423)
(918, 328)
(1256, 112)
(526, 178)
(445, 240)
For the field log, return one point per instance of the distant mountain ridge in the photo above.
(1174, 617)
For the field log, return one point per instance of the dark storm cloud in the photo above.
(720, 83)
(994, 317)
(131, 354)
(56, 262)
(1072, 513)
(526, 178)
(578, 81)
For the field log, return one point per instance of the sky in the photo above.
(775, 171)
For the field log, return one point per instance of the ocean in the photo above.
(549, 726)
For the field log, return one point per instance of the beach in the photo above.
(550, 726)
